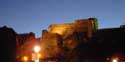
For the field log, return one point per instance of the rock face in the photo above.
(61, 39)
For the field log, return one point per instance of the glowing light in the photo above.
(115, 60)
(37, 49)
(39, 55)
(25, 58)
(59, 30)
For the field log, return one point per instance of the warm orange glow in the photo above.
(37, 48)
(25, 58)
(39, 55)
(115, 60)
(59, 30)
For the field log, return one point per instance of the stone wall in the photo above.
(86, 25)
(62, 29)
(62, 39)
(51, 43)
(82, 25)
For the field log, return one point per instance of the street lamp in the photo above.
(36, 50)
(25, 58)
(115, 60)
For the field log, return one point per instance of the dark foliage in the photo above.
(8, 44)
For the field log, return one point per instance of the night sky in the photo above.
(35, 15)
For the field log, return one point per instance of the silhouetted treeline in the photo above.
(8, 44)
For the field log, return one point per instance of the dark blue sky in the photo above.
(35, 15)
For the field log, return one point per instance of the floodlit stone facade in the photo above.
(59, 38)
(51, 43)
(62, 29)
(81, 25)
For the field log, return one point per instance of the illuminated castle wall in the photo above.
(68, 35)
(82, 25)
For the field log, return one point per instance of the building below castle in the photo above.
(26, 43)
